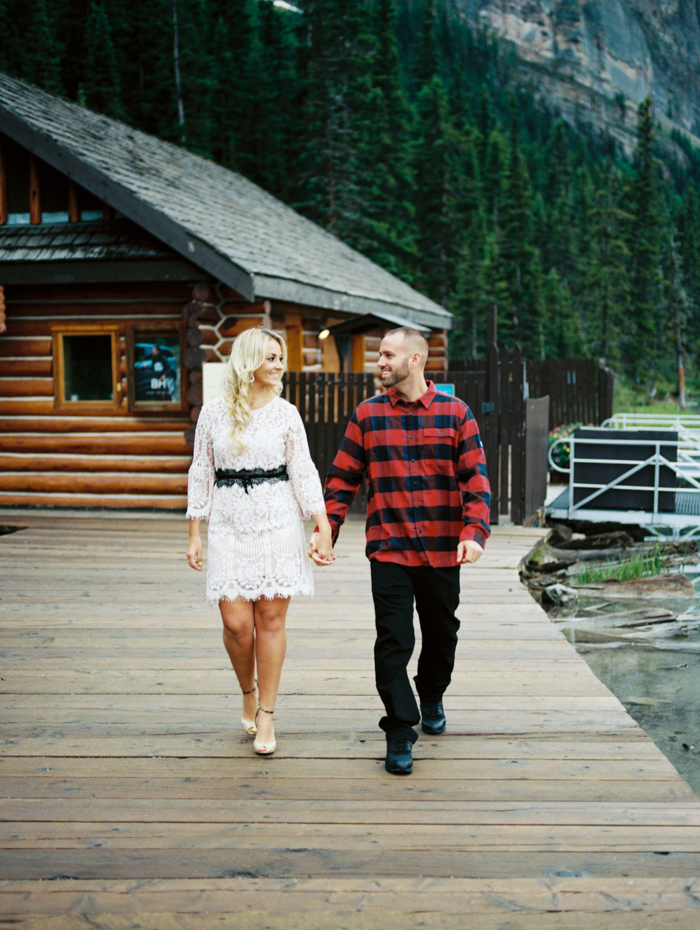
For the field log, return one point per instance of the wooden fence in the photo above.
(326, 400)
(579, 389)
(498, 390)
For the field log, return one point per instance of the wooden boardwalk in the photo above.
(131, 799)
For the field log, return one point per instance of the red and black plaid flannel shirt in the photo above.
(426, 473)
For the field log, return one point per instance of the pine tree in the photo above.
(520, 317)
(688, 225)
(678, 305)
(42, 50)
(607, 287)
(10, 45)
(277, 80)
(383, 122)
(471, 293)
(644, 244)
(102, 86)
(564, 336)
(427, 57)
(434, 228)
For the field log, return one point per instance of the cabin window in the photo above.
(155, 353)
(33, 192)
(86, 368)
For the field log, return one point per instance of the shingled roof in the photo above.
(215, 218)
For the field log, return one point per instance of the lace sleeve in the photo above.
(200, 479)
(302, 472)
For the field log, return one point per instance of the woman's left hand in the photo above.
(321, 548)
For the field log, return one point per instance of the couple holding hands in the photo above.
(254, 481)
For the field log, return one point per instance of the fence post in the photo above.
(491, 413)
(517, 484)
(606, 386)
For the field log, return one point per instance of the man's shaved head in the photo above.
(415, 339)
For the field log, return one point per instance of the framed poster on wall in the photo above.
(155, 372)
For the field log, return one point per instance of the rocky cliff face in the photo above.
(598, 59)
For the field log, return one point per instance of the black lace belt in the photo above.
(227, 477)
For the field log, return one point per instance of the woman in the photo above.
(253, 479)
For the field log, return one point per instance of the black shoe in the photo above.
(432, 718)
(399, 756)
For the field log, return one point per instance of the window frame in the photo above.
(143, 328)
(58, 331)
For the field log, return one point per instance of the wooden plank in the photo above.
(34, 190)
(19, 347)
(99, 463)
(26, 387)
(112, 292)
(28, 499)
(463, 896)
(348, 789)
(293, 860)
(3, 187)
(81, 309)
(24, 367)
(23, 406)
(344, 914)
(443, 838)
(351, 811)
(90, 483)
(73, 202)
(56, 423)
(122, 443)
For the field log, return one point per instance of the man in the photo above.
(427, 514)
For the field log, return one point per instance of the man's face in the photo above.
(393, 360)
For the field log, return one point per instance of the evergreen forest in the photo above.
(402, 130)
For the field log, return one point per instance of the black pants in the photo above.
(436, 595)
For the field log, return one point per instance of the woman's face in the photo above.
(271, 369)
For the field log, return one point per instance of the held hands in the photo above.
(469, 551)
(321, 547)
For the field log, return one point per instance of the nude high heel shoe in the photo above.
(249, 725)
(267, 747)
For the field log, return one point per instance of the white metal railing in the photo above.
(686, 426)
(672, 421)
(684, 468)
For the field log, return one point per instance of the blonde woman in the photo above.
(253, 479)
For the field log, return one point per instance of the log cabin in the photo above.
(126, 263)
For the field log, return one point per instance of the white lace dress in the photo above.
(257, 545)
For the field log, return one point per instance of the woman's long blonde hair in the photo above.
(247, 355)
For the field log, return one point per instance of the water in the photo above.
(656, 676)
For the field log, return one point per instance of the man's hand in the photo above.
(321, 548)
(469, 551)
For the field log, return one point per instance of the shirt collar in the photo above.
(426, 399)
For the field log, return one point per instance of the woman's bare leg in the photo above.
(239, 640)
(270, 648)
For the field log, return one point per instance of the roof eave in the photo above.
(143, 214)
(272, 288)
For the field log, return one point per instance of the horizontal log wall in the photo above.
(116, 459)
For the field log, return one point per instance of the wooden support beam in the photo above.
(34, 192)
(295, 341)
(358, 352)
(3, 188)
(73, 205)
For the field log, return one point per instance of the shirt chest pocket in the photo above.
(438, 443)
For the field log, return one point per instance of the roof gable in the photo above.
(215, 218)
